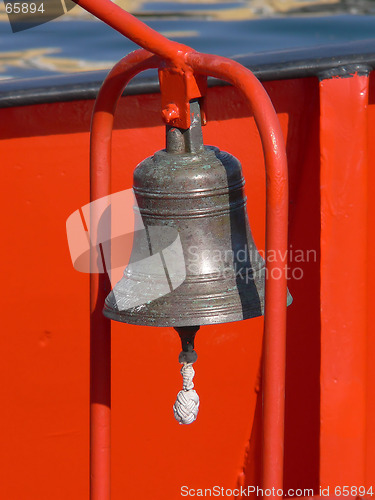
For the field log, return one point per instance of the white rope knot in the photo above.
(187, 371)
(186, 406)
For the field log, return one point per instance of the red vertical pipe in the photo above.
(100, 327)
(276, 242)
(100, 360)
(343, 144)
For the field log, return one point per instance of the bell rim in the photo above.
(141, 320)
(132, 317)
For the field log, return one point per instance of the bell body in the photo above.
(195, 261)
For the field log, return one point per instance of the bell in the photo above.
(193, 261)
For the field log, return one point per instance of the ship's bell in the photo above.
(194, 261)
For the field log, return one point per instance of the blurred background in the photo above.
(77, 41)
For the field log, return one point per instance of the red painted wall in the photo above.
(45, 332)
(370, 379)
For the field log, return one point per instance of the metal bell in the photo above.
(193, 261)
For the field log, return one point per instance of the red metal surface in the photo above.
(343, 143)
(370, 375)
(139, 450)
(100, 327)
(45, 341)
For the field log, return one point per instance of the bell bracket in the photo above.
(178, 88)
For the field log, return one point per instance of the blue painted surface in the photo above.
(69, 45)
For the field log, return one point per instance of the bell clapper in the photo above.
(186, 406)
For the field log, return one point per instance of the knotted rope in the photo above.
(186, 406)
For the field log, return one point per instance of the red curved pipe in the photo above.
(276, 242)
(100, 327)
(135, 30)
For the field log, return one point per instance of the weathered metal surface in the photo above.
(197, 191)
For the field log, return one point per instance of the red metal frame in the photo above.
(176, 62)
